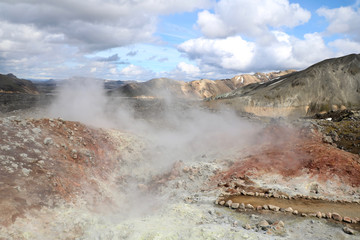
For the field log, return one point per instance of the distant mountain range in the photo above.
(328, 85)
(198, 89)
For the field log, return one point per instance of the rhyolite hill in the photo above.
(197, 89)
(328, 85)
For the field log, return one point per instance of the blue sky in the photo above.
(184, 40)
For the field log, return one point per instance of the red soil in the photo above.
(71, 166)
(294, 152)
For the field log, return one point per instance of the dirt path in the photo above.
(303, 205)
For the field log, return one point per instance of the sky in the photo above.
(184, 40)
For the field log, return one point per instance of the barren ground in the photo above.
(75, 181)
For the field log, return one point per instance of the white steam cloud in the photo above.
(173, 131)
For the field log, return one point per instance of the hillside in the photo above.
(328, 85)
(11, 84)
(198, 89)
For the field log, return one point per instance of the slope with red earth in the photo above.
(290, 153)
(49, 161)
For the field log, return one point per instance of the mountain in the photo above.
(198, 89)
(11, 84)
(328, 85)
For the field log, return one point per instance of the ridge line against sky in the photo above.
(184, 40)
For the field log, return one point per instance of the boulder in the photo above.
(347, 219)
(336, 217)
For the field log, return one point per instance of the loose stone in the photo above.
(348, 230)
(48, 141)
(228, 203)
(263, 225)
(289, 209)
(249, 206)
(247, 227)
(274, 208)
(235, 205)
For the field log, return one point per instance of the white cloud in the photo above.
(52, 37)
(136, 73)
(251, 18)
(187, 68)
(96, 24)
(345, 20)
(345, 46)
(232, 53)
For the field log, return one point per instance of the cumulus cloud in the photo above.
(234, 54)
(136, 73)
(97, 24)
(188, 68)
(345, 20)
(251, 18)
(49, 36)
(345, 46)
(249, 36)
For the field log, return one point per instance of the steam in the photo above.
(175, 130)
(181, 129)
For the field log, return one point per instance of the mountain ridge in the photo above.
(9, 83)
(327, 85)
(196, 89)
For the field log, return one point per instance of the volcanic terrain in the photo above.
(92, 165)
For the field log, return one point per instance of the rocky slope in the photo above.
(18, 93)
(11, 84)
(198, 89)
(328, 85)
